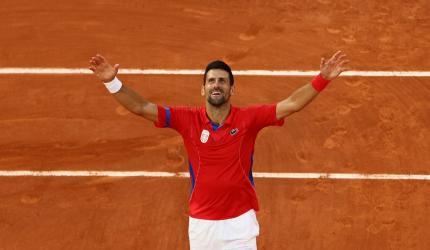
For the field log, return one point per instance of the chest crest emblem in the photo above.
(234, 131)
(204, 137)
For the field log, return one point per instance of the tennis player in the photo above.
(219, 139)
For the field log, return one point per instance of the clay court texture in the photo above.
(61, 130)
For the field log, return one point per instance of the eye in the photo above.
(211, 80)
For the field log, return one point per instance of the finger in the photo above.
(322, 62)
(336, 55)
(116, 67)
(93, 69)
(341, 57)
(343, 69)
(93, 60)
(97, 59)
(102, 58)
(343, 63)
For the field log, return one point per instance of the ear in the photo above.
(202, 90)
(232, 90)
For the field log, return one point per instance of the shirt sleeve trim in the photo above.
(167, 117)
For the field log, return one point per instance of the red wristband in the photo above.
(319, 83)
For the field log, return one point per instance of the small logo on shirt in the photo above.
(234, 131)
(204, 137)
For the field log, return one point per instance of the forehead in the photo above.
(217, 73)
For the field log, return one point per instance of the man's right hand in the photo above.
(102, 69)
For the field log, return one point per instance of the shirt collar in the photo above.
(227, 121)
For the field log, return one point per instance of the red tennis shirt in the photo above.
(220, 157)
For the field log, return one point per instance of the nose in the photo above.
(217, 84)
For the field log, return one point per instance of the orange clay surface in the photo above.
(357, 125)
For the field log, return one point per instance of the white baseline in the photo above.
(84, 71)
(337, 176)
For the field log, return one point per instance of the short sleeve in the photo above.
(264, 116)
(178, 118)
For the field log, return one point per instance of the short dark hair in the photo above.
(218, 64)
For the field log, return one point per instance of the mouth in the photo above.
(216, 93)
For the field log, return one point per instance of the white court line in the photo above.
(84, 71)
(341, 176)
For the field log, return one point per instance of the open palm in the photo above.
(332, 67)
(102, 69)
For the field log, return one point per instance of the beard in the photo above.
(217, 102)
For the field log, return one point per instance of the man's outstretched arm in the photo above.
(123, 94)
(330, 69)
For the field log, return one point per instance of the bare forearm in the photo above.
(303, 96)
(296, 101)
(135, 103)
(123, 94)
(330, 69)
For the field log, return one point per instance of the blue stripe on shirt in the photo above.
(167, 117)
(192, 176)
(251, 178)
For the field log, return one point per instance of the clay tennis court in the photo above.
(69, 122)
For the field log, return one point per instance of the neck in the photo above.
(218, 114)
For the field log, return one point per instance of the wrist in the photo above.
(113, 86)
(319, 83)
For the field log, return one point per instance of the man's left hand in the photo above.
(332, 67)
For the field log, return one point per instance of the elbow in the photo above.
(287, 108)
(294, 107)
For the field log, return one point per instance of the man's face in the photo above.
(217, 87)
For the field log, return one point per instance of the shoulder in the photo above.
(185, 112)
(182, 109)
(257, 108)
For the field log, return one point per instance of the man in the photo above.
(219, 139)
